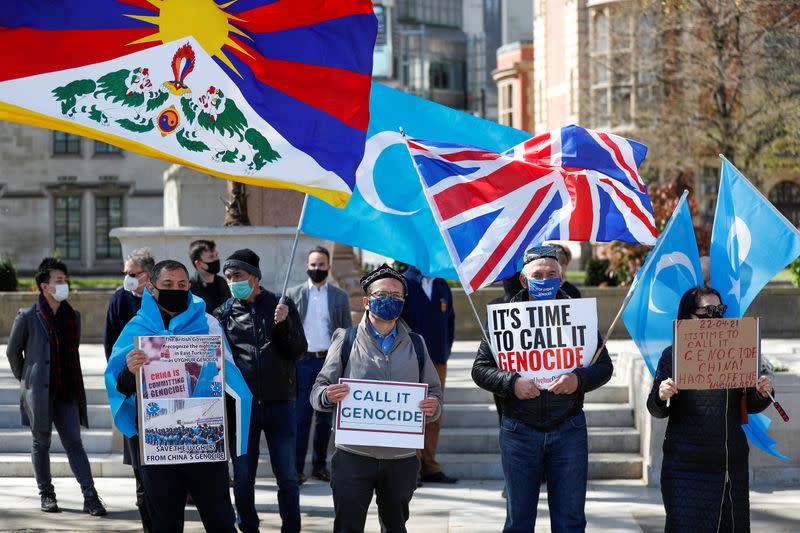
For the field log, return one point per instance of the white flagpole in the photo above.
(294, 250)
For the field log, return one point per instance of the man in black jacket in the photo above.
(206, 284)
(266, 337)
(543, 432)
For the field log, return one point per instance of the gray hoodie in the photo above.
(367, 361)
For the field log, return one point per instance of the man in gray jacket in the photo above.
(324, 309)
(382, 349)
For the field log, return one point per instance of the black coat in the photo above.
(213, 294)
(704, 439)
(28, 352)
(548, 410)
(265, 352)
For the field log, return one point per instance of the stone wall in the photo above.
(777, 306)
(91, 304)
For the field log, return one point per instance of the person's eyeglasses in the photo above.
(386, 294)
(711, 310)
(133, 274)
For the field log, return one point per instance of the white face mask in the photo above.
(61, 292)
(130, 283)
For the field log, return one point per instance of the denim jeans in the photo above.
(563, 455)
(277, 421)
(307, 370)
(66, 418)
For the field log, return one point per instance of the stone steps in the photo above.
(485, 415)
(486, 440)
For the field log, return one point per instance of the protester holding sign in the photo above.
(704, 476)
(381, 348)
(169, 309)
(543, 431)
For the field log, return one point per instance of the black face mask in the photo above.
(174, 301)
(316, 275)
(212, 267)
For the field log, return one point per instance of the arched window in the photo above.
(600, 32)
(786, 197)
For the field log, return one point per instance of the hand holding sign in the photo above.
(667, 389)
(525, 389)
(565, 384)
(429, 405)
(337, 392)
(135, 360)
(764, 386)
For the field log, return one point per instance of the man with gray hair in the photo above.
(124, 305)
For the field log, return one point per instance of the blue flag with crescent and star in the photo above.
(387, 213)
(671, 268)
(751, 241)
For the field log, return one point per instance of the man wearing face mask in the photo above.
(206, 284)
(543, 432)
(266, 337)
(43, 352)
(324, 309)
(381, 347)
(168, 308)
(124, 305)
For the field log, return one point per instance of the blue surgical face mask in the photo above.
(543, 289)
(385, 308)
(240, 290)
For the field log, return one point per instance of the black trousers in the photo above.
(165, 489)
(354, 479)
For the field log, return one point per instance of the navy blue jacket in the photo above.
(123, 306)
(434, 319)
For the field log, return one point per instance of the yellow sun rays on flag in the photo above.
(205, 20)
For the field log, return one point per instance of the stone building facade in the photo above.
(61, 194)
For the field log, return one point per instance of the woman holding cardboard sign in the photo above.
(704, 476)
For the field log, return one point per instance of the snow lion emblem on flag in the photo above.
(206, 122)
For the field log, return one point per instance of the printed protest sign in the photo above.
(382, 413)
(543, 340)
(180, 397)
(716, 353)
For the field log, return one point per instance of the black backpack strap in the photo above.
(419, 349)
(347, 346)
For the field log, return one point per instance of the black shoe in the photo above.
(94, 506)
(322, 475)
(439, 477)
(301, 478)
(49, 503)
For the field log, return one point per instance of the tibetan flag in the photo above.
(272, 93)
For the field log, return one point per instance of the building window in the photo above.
(107, 216)
(600, 32)
(105, 148)
(68, 226)
(506, 105)
(66, 143)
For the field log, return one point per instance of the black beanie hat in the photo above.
(246, 260)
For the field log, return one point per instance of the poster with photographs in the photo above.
(181, 400)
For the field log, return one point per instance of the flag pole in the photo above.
(294, 250)
(647, 264)
(477, 317)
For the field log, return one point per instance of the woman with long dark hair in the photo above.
(704, 476)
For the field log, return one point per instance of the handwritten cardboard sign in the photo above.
(716, 353)
(382, 413)
(543, 340)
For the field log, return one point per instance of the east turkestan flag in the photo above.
(271, 93)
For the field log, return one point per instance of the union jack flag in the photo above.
(570, 184)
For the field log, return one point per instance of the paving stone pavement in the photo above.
(475, 507)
